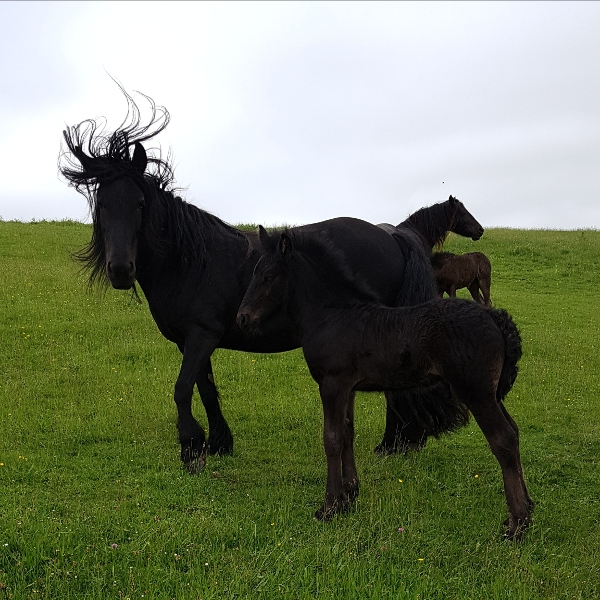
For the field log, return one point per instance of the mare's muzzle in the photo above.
(121, 274)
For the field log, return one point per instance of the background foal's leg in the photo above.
(473, 287)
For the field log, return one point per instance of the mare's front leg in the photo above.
(196, 354)
(220, 440)
(335, 399)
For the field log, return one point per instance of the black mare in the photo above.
(411, 420)
(194, 269)
(351, 343)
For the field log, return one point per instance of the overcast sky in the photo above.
(289, 113)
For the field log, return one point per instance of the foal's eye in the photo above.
(269, 279)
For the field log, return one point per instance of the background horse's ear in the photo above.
(139, 160)
(452, 201)
(285, 244)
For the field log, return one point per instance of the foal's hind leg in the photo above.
(512, 423)
(504, 443)
(349, 473)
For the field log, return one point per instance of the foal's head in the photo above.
(268, 292)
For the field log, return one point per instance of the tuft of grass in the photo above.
(95, 504)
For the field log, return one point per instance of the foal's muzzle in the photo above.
(247, 323)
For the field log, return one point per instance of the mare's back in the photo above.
(370, 252)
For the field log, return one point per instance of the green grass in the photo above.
(90, 454)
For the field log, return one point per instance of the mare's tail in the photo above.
(421, 412)
(512, 351)
(419, 283)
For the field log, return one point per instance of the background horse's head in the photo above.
(462, 222)
(118, 190)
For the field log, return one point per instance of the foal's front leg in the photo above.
(335, 399)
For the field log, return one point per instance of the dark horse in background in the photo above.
(194, 269)
(472, 270)
(351, 343)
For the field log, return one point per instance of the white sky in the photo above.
(297, 112)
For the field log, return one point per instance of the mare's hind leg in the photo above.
(336, 435)
(504, 443)
(473, 288)
(401, 433)
(220, 440)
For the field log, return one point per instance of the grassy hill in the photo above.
(95, 504)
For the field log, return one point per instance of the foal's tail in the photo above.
(512, 351)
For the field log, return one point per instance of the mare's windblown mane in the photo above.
(93, 155)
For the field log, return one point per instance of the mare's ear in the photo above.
(85, 160)
(266, 241)
(139, 160)
(285, 245)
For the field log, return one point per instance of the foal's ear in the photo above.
(266, 241)
(285, 244)
(139, 161)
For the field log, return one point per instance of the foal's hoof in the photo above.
(514, 533)
(194, 461)
(220, 442)
(326, 513)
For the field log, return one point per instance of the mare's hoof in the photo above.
(221, 443)
(194, 461)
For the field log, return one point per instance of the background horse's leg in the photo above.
(220, 440)
(196, 354)
(485, 284)
(335, 403)
(473, 287)
(349, 473)
(504, 443)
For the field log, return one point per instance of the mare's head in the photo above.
(268, 291)
(462, 222)
(114, 181)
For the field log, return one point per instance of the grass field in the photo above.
(95, 504)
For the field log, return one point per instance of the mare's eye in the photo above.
(141, 205)
(269, 279)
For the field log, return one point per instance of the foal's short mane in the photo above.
(332, 266)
